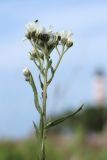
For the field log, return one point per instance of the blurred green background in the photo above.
(83, 137)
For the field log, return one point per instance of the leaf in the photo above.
(36, 128)
(36, 100)
(57, 121)
(50, 63)
(37, 104)
(52, 70)
(40, 82)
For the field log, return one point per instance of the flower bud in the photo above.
(26, 72)
(33, 53)
(66, 38)
(31, 57)
(69, 43)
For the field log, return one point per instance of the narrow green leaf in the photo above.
(36, 100)
(37, 104)
(52, 70)
(36, 128)
(57, 121)
(50, 63)
(40, 82)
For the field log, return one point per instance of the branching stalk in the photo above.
(45, 41)
(59, 60)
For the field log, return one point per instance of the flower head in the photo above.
(69, 42)
(27, 74)
(30, 28)
(66, 37)
(36, 28)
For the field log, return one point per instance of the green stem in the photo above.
(60, 58)
(57, 50)
(43, 154)
(39, 60)
(39, 68)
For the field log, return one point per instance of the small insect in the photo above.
(36, 20)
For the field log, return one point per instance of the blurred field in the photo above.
(58, 148)
(79, 143)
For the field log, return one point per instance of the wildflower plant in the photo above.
(44, 41)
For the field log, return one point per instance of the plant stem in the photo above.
(59, 60)
(43, 154)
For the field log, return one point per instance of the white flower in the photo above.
(50, 30)
(65, 35)
(66, 38)
(40, 30)
(43, 30)
(31, 27)
(34, 28)
(51, 39)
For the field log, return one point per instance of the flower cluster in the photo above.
(45, 40)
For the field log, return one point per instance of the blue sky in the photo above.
(73, 80)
